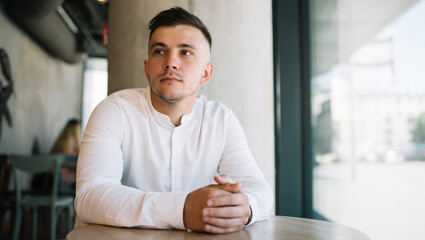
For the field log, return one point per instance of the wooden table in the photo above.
(277, 227)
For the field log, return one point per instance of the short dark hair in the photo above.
(178, 16)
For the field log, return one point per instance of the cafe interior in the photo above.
(275, 64)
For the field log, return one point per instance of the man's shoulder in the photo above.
(213, 107)
(130, 95)
(133, 98)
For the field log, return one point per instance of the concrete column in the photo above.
(242, 53)
(128, 40)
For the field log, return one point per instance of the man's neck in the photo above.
(174, 111)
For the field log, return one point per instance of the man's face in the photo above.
(178, 63)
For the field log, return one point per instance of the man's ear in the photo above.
(207, 74)
(146, 69)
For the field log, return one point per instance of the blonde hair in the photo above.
(69, 141)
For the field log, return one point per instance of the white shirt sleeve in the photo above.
(238, 163)
(100, 196)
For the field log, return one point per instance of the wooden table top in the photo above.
(277, 227)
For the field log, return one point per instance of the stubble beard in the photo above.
(175, 99)
(168, 100)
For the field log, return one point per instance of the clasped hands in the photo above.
(217, 208)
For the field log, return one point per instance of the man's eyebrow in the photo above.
(185, 45)
(158, 44)
(181, 45)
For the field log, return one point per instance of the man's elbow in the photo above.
(81, 206)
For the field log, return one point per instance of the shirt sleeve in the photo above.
(100, 196)
(238, 163)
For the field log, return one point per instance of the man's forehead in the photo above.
(183, 34)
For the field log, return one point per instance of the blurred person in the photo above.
(149, 157)
(69, 140)
(68, 143)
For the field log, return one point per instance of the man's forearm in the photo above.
(118, 205)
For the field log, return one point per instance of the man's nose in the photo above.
(171, 62)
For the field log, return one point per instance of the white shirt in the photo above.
(135, 168)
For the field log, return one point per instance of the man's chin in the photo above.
(169, 98)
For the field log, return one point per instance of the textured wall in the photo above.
(242, 55)
(47, 92)
(128, 40)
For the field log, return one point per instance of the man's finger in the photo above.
(223, 179)
(233, 188)
(226, 212)
(228, 200)
(226, 222)
(214, 229)
(230, 188)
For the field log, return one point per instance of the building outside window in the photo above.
(368, 115)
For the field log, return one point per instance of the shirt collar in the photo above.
(165, 121)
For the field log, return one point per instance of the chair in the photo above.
(65, 188)
(7, 198)
(39, 164)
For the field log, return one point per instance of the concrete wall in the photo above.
(242, 54)
(47, 92)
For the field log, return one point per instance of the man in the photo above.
(149, 156)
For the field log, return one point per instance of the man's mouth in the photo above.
(170, 77)
(170, 80)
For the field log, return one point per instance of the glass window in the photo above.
(368, 116)
(95, 87)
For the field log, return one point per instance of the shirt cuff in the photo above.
(169, 210)
(254, 210)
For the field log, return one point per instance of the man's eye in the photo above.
(158, 51)
(186, 53)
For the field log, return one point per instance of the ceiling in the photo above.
(67, 29)
(88, 16)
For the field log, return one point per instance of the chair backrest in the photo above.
(68, 158)
(37, 164)
(66, 188)
(5, 173)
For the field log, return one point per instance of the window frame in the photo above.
(293, 134)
